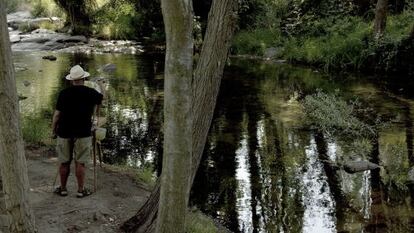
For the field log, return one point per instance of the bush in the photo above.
(256, 41)
(197, 222)
(116, 20)
(36, 130)
(333, 116)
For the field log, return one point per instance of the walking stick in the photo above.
(94, 161)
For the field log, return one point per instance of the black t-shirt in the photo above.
(76, 105)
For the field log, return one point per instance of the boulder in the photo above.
(359, 166)
(76, 39)
(43, 31)
(271, 53)
(50, 57)
(14, 38)
(19, 15)
(109, 68)
(410, 177)
(27, 46)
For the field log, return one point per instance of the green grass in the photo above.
(334, 116)
(197, 222)
(36, 130)
(331, 43)
(256, 41)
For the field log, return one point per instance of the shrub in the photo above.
(35, 129)
(333, 115)
(116, 20)
(256, 41)
(197, 222)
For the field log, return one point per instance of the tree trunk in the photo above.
(206, 84)
(380, 20)
(77, 12)
(12, 159)
(176, 168)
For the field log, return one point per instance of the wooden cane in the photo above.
(94, 162)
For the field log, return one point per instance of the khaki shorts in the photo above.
(81, 148)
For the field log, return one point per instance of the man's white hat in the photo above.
(77, 73)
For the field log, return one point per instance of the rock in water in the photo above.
(26, 83)
(359, 166)
(109, 68)
(410, 177)
(22, 97)
(50, 57)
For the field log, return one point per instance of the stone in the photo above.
(50, 57)
(26, 83)
(76, 39)
(14, 38)
(271, 53)
(109, 68)
(359, 166)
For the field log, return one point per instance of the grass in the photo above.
(331, 43)
(36, 130)
(141, 175)
(198, 222)
(255, 42)
(335, 116)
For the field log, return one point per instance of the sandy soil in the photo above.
(117, 198)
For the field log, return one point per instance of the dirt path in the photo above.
(117, 198)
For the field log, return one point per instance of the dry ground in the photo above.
(117, 198)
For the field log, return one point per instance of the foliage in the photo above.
(141, 175)
(45, 8)
(117, 20)
(35, 129)
(255, 41)
(197, 222)
(334, 116)
(397, 168)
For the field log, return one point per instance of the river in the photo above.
(264, 169)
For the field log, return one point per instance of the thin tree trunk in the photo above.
(380, 20)
(176, 168)
(12, 159)
(206, 83)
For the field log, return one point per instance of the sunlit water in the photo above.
(263, 170)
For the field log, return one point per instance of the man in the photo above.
(72, 125)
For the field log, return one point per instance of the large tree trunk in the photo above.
(12, 159)
(206, 83)
(176, 168)
(380, 20)
(77, 12)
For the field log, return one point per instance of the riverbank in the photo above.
(28, 33)
(118, 197)
(336, 43)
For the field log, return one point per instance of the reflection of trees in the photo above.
(214, 188)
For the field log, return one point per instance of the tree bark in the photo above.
(176, 168)
(380, 20)
(206, 83)
(12, 159)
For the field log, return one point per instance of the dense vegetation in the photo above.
(329, 34)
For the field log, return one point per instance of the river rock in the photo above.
(109, 68)
(271, 53)
(14, 38)
(27, 46)
(50, 57)
(410, 177)
(359, 166)
(43, 31)
(76, 39)
(26, 83)
(19, 15)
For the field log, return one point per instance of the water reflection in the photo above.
(317, 200)
(264, 169)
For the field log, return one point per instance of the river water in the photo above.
(264, 169)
